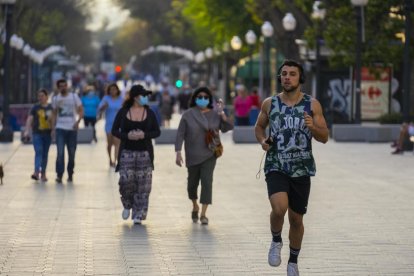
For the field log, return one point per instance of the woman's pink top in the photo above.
(242, 106)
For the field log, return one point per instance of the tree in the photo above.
(382, 22)
(130, 40)
(164, 21)
(216, 21)
(222, 19)
(49, 22)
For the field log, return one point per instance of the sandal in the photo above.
(194, 216)
(204, 220)
(35, 176)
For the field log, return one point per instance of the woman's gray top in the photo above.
(192, 130)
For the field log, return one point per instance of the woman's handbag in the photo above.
(213, 142)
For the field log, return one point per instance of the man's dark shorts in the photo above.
(297, 188)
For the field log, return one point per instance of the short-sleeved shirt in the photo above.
(113, 106)
(90, 105)
(66, 107)
(41, 118)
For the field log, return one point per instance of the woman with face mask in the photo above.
(199, 158)
(135, 125)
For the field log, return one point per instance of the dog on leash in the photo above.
(1, 174)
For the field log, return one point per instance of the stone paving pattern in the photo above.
(360, 217)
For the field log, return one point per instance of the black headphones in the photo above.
(302, 77)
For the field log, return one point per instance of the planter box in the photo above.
(85, 136)
(167, 136)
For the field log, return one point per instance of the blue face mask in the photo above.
(143, 100)
(202, 102)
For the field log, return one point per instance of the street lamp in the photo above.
(26, 52)
(225, 72)
(318, 15)
(236, 43)
(209, 55)
(6, 134)
(359, 5)
(251, 40)
(289, 24)
(408, 8)
(267, 32)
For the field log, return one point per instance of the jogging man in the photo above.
(293, 118)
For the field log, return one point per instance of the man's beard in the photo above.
(291, 89)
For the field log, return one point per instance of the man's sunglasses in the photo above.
(202, 97)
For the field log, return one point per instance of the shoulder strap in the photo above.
(274, 108)
(274, 105)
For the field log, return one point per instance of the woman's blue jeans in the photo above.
(41, 144)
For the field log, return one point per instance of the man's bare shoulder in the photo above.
(266, 103)
(315, 103)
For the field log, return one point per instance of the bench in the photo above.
(365, 133)
(244, 134)
(85, 136)
(167, 136)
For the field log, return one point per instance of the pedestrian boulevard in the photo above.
(360, 217)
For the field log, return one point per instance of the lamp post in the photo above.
(17, 43)
(199, 58)
(225, 72)
(251, 40)
(267, 32)
(6, 134)
(359, 5)
(236, 44)
(209, 55)
(408, 8)
(289, 24)
(318, 15)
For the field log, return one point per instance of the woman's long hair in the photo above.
(198, 91)
(108, 89)
(129, 101)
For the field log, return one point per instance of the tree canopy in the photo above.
(382, 22)
(198, 24)
(49, 22)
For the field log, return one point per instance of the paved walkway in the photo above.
(360, 219)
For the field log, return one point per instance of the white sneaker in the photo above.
(292, 269)
(274, 253)
(125, 214)
(137, 221)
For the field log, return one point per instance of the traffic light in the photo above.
(118, 69)
(118, 72)
(178, 83)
